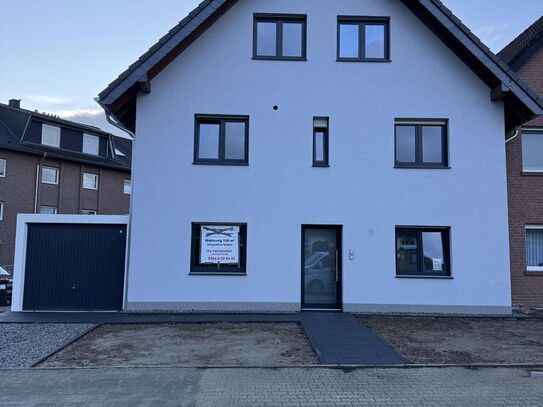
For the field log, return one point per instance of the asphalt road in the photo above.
(271, 387)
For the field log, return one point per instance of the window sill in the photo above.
(255, 58)
(428, 277)
(321, 165)
(422, 167)
(362, 60)
(220, 163)
(532, 174)
(216, 273)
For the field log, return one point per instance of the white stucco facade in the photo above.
(279, 191)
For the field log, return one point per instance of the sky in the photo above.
(57, 55)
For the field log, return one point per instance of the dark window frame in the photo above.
(326, 142)
(221, 120)
(419, 124)
(279, 20)
(419, 230)
(197, 269)
(362, 21)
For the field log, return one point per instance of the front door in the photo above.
(321, 267)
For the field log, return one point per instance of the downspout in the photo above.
(514, 136)
(38, 182)
(110, 117)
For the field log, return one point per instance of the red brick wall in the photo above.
(17, 192)
(525, 202)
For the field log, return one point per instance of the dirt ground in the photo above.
(264, 344)
(461, 340)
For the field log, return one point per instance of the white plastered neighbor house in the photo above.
(319, 154)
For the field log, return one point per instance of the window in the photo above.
(421, 144)
(532, 151)
(320, 142)
(279, 37)
(50, 135)
(3, 166)
(88, 212)
(363, 39)
(219, 248)
(90, 181)
(534, 248)
(127, 186)
(48, 210)
(422, 251)
(49, 175)
(222, 140)
(1, 210)
(91, 144)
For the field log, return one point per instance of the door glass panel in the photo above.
(320, 284)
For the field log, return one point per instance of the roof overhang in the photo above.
(521, 103)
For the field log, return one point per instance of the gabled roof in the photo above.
(521, 103)
(523, 42)
(14, 125)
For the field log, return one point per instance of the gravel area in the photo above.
(22, 345)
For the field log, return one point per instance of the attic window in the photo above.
(50, 135)
(363, 39)
(281, 36)
(91, 144)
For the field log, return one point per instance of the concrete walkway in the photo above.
(337, 338)
(271, 387)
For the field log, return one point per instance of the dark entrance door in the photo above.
(74, 267)
(321, 267)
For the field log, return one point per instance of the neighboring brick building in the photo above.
(525, 176)
(51, 165)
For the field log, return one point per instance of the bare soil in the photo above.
(223, 344)
(461, 340)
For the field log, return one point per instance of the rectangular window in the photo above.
(534, 248)
(422, 251)
(320, 142)
(3, 167)
(50, 135)
(363, 39)
(219, 248)
(49, 175)
(532, 151)
(90, 181)
(280, 37)
(91, 144)
(1, 210)
(127, 186)
(421, 143)
(88, 212)
(48, 210)
(221, 140)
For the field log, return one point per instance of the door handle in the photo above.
(337, 266)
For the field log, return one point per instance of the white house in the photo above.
(319, 154)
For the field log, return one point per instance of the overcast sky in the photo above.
(57, 55)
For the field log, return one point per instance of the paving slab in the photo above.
(289, 387)
(340, 338)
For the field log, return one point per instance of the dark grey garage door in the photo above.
(74, 267)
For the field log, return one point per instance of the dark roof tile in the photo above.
(522, 42)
